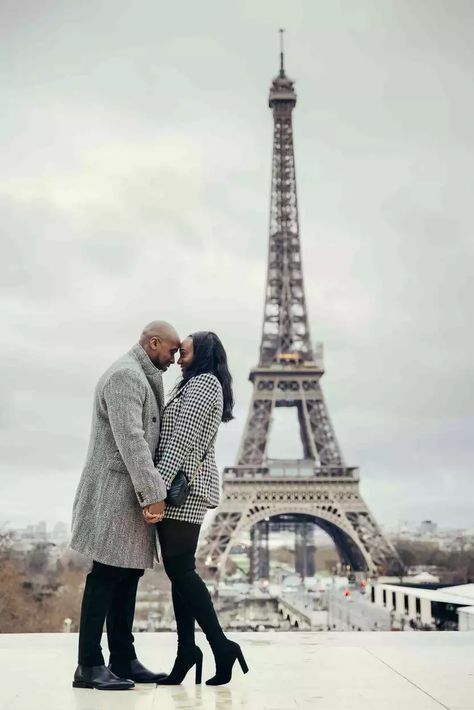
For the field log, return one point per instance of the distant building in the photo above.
(418, 607)
(428, 527)
(41, 530)
(60, 532)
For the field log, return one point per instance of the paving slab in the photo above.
(288, 671)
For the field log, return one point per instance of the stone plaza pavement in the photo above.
(321, 671)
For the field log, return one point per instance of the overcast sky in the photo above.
(134, 184)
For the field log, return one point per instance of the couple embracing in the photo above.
(149, 478)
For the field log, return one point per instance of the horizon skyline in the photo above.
(401, 525)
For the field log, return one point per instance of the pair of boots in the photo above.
(192, 602)
(225, 657)
(116, 676)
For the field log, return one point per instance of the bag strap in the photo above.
(203, 458)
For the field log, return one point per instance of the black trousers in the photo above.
(191, 598)
(109, 595)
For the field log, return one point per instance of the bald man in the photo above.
(119, 480)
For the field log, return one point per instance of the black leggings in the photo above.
(191, 598)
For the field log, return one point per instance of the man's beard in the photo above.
(159, 366)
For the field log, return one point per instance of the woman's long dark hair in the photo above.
(210, 356)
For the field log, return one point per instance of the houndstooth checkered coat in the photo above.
(119, 477)
(189, 427)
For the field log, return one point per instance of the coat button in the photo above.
(154, 419)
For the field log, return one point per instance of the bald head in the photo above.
(160, 341)
(158, 329)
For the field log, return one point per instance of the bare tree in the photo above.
(35, 602)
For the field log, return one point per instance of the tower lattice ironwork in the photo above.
(288, 375)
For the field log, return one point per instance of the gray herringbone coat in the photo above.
(119, 477)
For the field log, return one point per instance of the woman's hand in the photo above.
(154, 513)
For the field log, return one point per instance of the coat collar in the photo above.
(152, 373)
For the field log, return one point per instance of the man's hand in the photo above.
(154, 512)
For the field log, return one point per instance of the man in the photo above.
(118, 481)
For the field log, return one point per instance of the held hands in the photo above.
(154, 513)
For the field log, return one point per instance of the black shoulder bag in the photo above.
(180, 486)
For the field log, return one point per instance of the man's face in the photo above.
(162, 352)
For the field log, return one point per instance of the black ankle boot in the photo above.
(134, 670)
(101, 678)
(225, 657)
(185, 660)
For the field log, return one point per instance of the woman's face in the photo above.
(186, 353)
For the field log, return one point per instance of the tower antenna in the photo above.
(282, 57)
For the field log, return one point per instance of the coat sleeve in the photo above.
(124, 395)
(198, 400)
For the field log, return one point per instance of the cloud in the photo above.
(135, 185)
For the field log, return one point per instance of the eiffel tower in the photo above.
(319, 489)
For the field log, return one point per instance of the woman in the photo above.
(201, 400)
